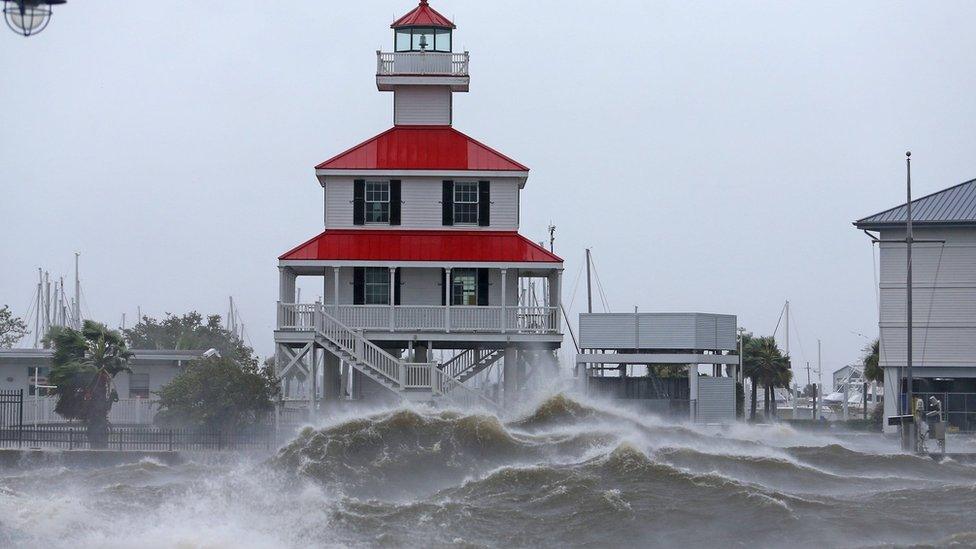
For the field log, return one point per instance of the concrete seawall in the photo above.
(33, 457)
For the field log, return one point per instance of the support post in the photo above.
(331, 374)
(693, 392)
(392, 297)
(335, 283)
(510, 375)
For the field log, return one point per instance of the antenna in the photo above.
(552, 237)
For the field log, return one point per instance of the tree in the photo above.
(189, 332)
(12, 328)
(810, 390)
(764, 365)
(83, 367)
(218, 393)
(870, 360)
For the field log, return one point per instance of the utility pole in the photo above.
(552, 238)
(819, 378)
(589, 289)
(77, 311)
(910, 403)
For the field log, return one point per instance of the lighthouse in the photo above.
(429, 292)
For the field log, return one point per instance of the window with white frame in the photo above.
(376, 286)
(377, 202)
(464, 287)
(139, 385)
(37, 375)
(466, 203)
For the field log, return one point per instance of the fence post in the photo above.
(121, 436)
(71, 439)
(170, 439)
(20, 422)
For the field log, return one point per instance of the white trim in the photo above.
(649, 358)
(548, 265)
(422, 173)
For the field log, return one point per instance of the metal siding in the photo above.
(935, 347)
(658, 331)
(422, 105)
(955, 204)
(716, 400)
(422, 148)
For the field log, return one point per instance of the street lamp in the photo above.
(28, 17)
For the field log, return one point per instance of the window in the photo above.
(139, 385)
(442, 40)
(423, 40)
(402, 40)
(464, 287)
(376, 286)
(466, 203)
(377, 202)
(41, 379)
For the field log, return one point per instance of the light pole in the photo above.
(28, 17)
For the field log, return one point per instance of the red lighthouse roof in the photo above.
(422, 148)
(423, 16)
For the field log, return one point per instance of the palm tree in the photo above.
(872, 368)
(84, 364)
(765, 365)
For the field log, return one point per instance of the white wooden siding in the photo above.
(422, 105)
(421, 205)
(944, 299)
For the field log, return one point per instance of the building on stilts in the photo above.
(420, 260)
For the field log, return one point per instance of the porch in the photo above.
(542, 320)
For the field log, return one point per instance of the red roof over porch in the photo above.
(402, 245)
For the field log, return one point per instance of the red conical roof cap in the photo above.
(423, 16)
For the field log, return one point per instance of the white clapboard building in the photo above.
(944, 294)
(420, 256)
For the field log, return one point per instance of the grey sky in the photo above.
(713, 154)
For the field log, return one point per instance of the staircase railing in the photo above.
(455, 391)
(355, 344)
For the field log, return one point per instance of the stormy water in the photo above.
(566, 472)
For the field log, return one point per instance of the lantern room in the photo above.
(422, 30)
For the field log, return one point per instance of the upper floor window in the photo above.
(466, 202)
(377, 202)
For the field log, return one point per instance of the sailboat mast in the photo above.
(589, 289)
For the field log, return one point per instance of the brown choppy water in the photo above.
(567, 474)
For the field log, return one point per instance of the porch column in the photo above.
(555, 299)
(313, 375)
(693, 392)
(510, 375)
(504, 297)
(286, 291)
(392, 296)
(335, 284)
(447, 300)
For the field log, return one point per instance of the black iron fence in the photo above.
(11, 407)
(138, 438)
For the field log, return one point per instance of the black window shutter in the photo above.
(394, 202)
(359, 202)
(445, 285)
(447, 204)
(396, 286)
(484, 203)
(358, 285)
(482, 287)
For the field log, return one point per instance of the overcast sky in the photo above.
(712, 154)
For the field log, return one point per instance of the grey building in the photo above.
(151, 369)
(944, 296)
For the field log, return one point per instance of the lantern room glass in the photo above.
(416, 39)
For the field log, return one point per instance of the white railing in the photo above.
(422, 63)
(124, 411)
(297, 316)
(425, 318)
(358, 346)
(447, 387)
(461, 363)
(418, 376)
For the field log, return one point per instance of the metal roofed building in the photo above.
(420, 252)
(620, 351)
(944, 295)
